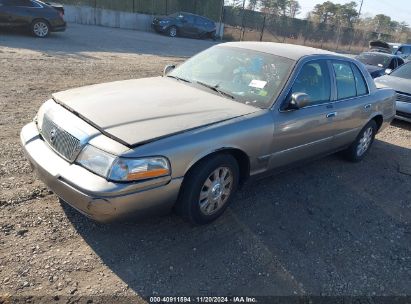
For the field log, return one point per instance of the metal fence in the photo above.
(251, 25)
(209, 8)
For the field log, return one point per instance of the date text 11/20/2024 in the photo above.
(203, 299)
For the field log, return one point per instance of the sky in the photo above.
(398, 10)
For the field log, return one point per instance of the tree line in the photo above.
(328, 12)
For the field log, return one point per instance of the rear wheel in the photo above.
(40, 28)
(172, 31)
(212, 35)
(208, 189)
(362, 144)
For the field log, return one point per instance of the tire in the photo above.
(172, 31)
(362, 144)
(204, 197)
(212, 36)
(40, 28)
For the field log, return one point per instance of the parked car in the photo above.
(378, 63)
(188, 139)
(402, 50)
(185, 24)
(400, 81)
(40, 18)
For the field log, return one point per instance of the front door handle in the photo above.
(332, 114)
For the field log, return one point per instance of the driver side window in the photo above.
(314, 80)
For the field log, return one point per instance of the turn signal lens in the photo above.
(125, 169)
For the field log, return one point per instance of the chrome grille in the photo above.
(60, 140)
(403, 97)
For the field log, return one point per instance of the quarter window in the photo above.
(360, 83)
(346, 85)
(314, 80)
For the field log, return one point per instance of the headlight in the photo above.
(96, 160)
(122, 169)
(126, 169)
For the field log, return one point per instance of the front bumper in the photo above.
(93, 195)
(403, 111)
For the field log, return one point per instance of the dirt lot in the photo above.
(327, 228)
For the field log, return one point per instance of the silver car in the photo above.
(187, 140)
(400, 81)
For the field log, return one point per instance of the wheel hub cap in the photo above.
(216, 190)
(365, 141)
(40, 29)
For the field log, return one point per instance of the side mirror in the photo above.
(168, 68)
(388, 71)
(299, 100)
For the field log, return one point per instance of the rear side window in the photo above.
(24, 3)
(360, 83)
(345, 80)
(189, 19)
(201, 21)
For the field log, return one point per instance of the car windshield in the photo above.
(403, 71)
(375, 59)
(246, 76)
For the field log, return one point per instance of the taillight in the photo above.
(61, 14)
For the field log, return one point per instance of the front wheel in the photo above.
(172, 31)
(40, 28)
(208, 189)
(362, 144)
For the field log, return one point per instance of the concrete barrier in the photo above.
(110, 18)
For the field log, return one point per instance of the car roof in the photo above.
(380, 53)
(398, 44)
(291, 51)
(186, 13)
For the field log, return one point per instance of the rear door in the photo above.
(20, 12)
(189, 28)
(353, 104)
(306, 132)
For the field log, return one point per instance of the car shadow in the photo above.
(401, 124)
(329, 227)
(78, 39)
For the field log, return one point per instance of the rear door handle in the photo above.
(332, 114)
(367, 106)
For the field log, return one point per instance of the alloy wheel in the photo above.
(173, 32)
(40, 29)
(216, 190)
(365, 141)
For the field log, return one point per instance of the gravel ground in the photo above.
(327, 228)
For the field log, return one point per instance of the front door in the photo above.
(306, 132)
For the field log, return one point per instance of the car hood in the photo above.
(142, 110)
(396, 83)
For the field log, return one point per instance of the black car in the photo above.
(39, 17)
(185, 24)
(378, 64)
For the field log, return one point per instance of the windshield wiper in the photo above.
(216, 89)
(179, 78)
